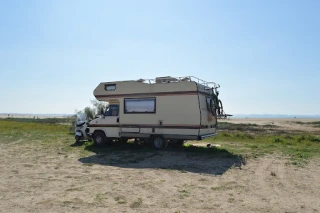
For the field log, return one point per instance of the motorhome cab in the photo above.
(157, 111)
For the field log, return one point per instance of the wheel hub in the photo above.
(158, 142)
(98, 139)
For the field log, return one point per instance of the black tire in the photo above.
(159, 142)
(100, 138)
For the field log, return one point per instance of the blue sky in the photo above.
(264, 54)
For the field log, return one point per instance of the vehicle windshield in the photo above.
(112, 110)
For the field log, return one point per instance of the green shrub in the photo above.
(277, 140)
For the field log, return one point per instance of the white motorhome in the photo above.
(157, 111)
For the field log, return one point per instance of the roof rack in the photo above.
(170, 79)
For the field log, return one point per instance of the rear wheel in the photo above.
(159, 142)
(100, 138)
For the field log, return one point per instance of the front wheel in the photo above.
(100, 138)
(159, 142)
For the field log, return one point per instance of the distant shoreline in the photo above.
(277, 116)
(235, 116)
(35, 116)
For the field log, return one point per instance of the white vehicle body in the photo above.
(166, 108)
(80, 127)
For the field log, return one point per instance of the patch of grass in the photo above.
(120, 200)
(253, 146)
(270, 126)
(137, 203)
(48, 133)
(88, 164)
(74, 189)
(27, 129)
(298, 147)
(100, 197)
(225, 126)
(288, 137)
(313, 123)
(301, 138)
(231, 200)
(277, 140)
(183, 193)
(67, 202)
(65, 120)
(213, 151)
(39, 136)
(313, 138)
(239, 127)
(215, 188)
(299, 122)
(226, 186)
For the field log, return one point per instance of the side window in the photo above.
(140, 105)
(208, 103)
(112, 110)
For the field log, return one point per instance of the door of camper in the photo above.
(111, 120)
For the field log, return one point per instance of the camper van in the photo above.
(156, 111)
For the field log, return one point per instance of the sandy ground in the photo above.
(50, 180)
(34, 179)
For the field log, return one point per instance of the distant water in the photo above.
(34, 114)
(234, 115)
(274, 116)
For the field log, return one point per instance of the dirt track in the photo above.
(49, 180)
